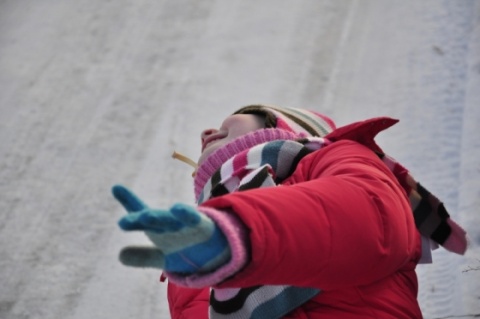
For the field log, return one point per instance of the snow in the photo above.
(94, 93)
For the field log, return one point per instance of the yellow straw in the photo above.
(186, 160)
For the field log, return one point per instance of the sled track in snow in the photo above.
(445, 157)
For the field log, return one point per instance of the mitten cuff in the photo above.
(235, 233)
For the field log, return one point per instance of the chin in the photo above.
(203, 156)
(207, 152)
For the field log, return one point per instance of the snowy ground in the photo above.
(94, 93)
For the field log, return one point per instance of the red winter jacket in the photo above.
(341, 223)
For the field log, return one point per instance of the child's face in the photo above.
(234, 126)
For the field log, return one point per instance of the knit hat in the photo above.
(301, 122)
(280, 124)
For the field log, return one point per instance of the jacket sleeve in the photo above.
(340, 220)
(187, 303)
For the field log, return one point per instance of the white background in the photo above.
(94, 93)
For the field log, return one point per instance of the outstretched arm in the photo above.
(340, 220)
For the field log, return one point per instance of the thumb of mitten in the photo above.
(142, 257)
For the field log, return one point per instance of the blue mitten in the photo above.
(187, 241)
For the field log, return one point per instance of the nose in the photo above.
(206, 133)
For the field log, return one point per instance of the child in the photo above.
(295, 219)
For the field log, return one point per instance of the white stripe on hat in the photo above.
(315, 121)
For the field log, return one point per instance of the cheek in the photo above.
(242, 130)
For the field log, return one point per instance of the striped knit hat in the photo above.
(298, 121)
(280, 124)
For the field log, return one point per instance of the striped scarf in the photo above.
(267, 165)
